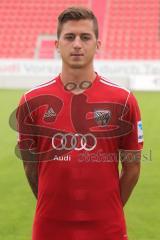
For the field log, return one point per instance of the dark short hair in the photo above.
(76, 13)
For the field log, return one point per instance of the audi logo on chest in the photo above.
(74, 141)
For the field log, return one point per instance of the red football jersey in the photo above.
(75, 139)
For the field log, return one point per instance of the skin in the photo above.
(129, 174)
(77, 46)
(31, 171)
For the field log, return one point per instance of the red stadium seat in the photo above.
(47, 49)
(132, 30)
(128, 29)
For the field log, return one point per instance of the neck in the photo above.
(77, 75)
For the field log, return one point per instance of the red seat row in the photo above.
(129, 29)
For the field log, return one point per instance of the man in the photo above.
(72, 132)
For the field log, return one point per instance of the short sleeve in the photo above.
(134, 139)
(25, 128)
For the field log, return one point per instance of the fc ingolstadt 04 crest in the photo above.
(102, 117)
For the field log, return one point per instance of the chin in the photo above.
(77, 66)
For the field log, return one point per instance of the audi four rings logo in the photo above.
(71, 141)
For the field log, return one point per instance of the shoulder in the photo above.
(40, 89)
(114, 91)
(36, 97)
(112, 86)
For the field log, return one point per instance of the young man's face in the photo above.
(77, 43)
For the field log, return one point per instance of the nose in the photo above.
(77, 42)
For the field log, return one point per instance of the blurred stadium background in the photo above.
(130, 56)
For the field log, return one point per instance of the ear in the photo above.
(98, 46)
(56, 42)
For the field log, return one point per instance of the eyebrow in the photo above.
(89, 34)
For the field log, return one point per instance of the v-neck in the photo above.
(61, 85)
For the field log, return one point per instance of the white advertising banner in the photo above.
(136, 75)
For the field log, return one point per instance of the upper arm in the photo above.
(133, 140)
(26, 136)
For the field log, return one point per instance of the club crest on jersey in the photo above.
(102, 117)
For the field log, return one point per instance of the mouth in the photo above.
(77, 54)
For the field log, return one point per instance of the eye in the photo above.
(69, 37)
(85, 37)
